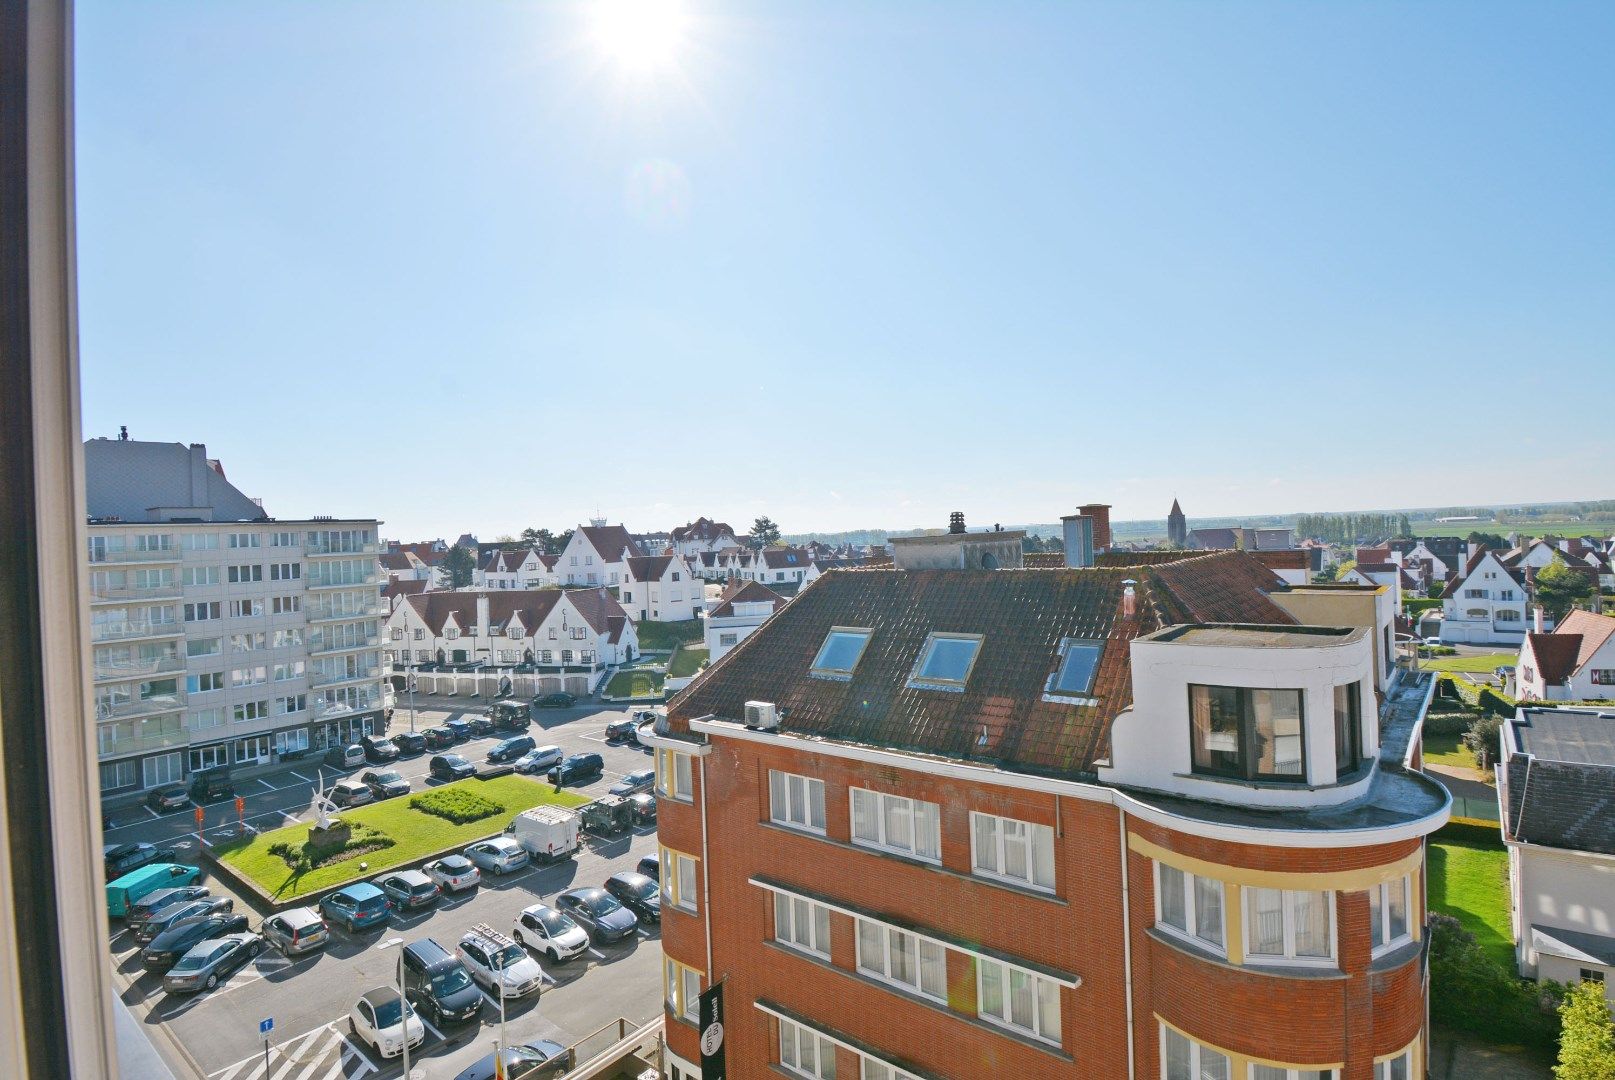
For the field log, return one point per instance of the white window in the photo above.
(291, 670)
(1280, 1072)
(253, 751)
(242, 609)
(286, 571)
(397, 633)
(203, 719)
(945, 662)
(248, 642)
(1388, 914)
(678, 879)
(283, 639)
(673, 777)
(801, 924)
(209, 757)
(1190, 906)
(292, 703)
(291, 742)
(282, 539)
(201, 612)
(796, 801)
(117, 774)
(728, 639)
(895, 823)
(1016, 998)
(873, 1069)
(451, 633)
(211, 646)
(1289, 927)
(204, 683)
(200, 541)
(1014, 850)
(200, 575)
(422, 655)
(908, 960)
(250, 710)
(285, 605)
(249, 676)
(238, 574)
(245, 540)
(163, 769)
(804, 1052)
(1184, 1059)
(839, 655)
(681, 988)
(1398, 1067)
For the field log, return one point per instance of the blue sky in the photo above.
(462, 266)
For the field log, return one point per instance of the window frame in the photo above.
(676, 996)
(670, 782)
(1190, 933)
(1379, 915)
(781, 816)
(1000, 840)
(883, 973)
(916, 681)
(821, 1043)
(1007, 973)
(1249, 758)
(790, 936)
(1288, 957)
(671, 861)
(1052, 691)
(1348, 729)
(1383, 1066)
(817, 669)
(881, 799)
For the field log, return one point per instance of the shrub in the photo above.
(456, 804)
(1483, 737)
(1470, 991)
(1448, 722)
(1587, 1043)
(338, 846)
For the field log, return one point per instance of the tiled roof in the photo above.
(1125, 558)
(534, 606)
(702, 529)
(745, 592)
(1023, 616)
(1555, 655)
(1285, 559)
(1456, 583)
(1213, 539)
(611, 542)
(648, 567)
(1046, 560)
(1594, 631)
(1561, 804)
(404, 587)
(785, 558)
(597, 606)
(395, 560)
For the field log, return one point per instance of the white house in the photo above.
(596, 554)
(1388, 574)
(781, 566)
(661, 588)
(1555, 785)
(702, 535)
(546, 639)
(1574, 663)
(1484, 604)
(743, 607)
(525, 569)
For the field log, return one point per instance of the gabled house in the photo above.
(782, 566)
(702, 535)
(1388, 574)
(1556, 790)
(1484, 603)
(521, 569)
(743, 607)
(1576, 662)
(596, 554)
(660, 588)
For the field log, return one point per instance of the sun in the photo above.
(641, 35)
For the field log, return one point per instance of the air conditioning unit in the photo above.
(762, 715)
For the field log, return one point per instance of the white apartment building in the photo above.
(661, 588)
(220, 636)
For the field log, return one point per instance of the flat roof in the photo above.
(1579, 736)
(1256, 636)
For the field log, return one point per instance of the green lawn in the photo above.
(636, 683)
(686, 662)
(1484, 664)
(1447, 750)
(1469, 880)
(665, 636)
(415, 835)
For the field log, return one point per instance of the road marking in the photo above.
(152, 812)
(267, 784)
(301, 777)
(596, 953)
(428, 1025)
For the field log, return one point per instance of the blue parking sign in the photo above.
(266, 1025)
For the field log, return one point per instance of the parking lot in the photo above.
(309, 997)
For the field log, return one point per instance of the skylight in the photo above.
(1079, 661)
(946, 660)
(842, 649)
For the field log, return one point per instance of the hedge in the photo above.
(1478, 697)
(1470, 991)
(455, 804)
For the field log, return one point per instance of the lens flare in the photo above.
(641, 35)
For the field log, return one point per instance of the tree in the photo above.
(763, 533)
(543, 540)
(459, 566)
(1494, 541)
(1559, 588)
(1587, 1036)
(1402, 526)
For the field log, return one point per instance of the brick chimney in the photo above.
(1100, 513)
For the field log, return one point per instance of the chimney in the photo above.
(1129, 599)
(1100, 513)
(956, 522)
(1536, 619)
(199, 471)
(482, 614)
(1078, 530)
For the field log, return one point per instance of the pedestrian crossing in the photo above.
(322, 1054)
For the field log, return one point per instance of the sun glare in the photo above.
(641, 35)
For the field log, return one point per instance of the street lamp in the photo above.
(409, 672)
(403, 1003)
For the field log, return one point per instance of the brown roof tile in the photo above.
(1555, 655)
(1594, 631)
(745, 592)
(612, 542)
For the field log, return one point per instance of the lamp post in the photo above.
(409, 672)
(499, 1052)
(403, 1003)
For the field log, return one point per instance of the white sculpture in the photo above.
(322, 806)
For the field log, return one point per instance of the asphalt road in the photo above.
(309, 997)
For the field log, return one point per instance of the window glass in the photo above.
(947, 659)
(1077, 668)
(1247, 732)
(841, 651)
(1348, 727)
(797, 801)
(1019, 999)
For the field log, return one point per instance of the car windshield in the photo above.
(556, 923)
(423, 888)
(601, 903)
(451, 982)
(192, 961)
(375, 903)
(645, 890)
(388, 778)
(387, 1013)
(508, 957)
(520, 1063)
(454, 761)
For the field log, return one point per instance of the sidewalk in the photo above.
(1462, 1057)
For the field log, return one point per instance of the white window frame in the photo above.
(1383, 1067)
(675, 774)
(871, 1068)
(1032, 834)
(1289, 1072)
(780, 799)
(162, 769)
(792, 1037)
(846, 673)
(204, 682)
(676, 989)
(291, 740)
(680, 874)
(1287, 902)
(1379, 911)
(803, 925)
(884, 804)
(916, 681)
(1040, 1028)
(1197, 1052)
(245, 748)
(881, 968)
(1191, 931)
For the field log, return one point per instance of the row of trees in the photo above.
(1352, 528)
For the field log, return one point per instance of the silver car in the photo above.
(453, 873)
(538, 759)
(296, 930)
(500, 855)
(175, 913)
(210, 962)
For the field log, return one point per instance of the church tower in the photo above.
(1177, 528)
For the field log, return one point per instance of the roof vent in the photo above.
(956, 521)
(762, 716)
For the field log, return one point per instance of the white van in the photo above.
(547, 833)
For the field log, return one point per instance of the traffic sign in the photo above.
(266, 1025)
(198, 817)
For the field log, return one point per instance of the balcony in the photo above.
(140, 594)
(118, 670)
(322, 548)
(320, 709)
(140, 743)
(134, 558)
(128, 710)
(320, 679)
(368, 610)
(135, 631)
(370, 580)
(317, 646)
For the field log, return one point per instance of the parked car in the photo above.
(497, 963)
(598, 912)
(480, 726)
(644, 808)
(530, 1061)
(164, 799)
(511, 715)
(384, 1021)
(211, 961)
(345, 757)
(436, 982)
(460, 729)
(351, 793)
(409, 889)
(131, 887)
(176, 913)
(153, 902)
(633, 783)
(622, 731)
(555, 701)
(119, 859)
(410, 742)
(296, 930)
(438, 738)
(650, 866)
(357, 906)
(577, 769)
(385, 785)
(211, 785)
(510, 749)
(453, 873)
(538, 759)
(497, 856)
(646, 716)
(451, 767)
(545, 930)
(638, 894)
(164, 951)
(378, 750)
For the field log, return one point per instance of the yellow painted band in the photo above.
(1332, 881)
(1234, 922)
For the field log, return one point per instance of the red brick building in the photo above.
(1075, 822)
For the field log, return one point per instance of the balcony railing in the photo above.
(321, 709)
(312, 582)
(130, 556)
(125, 710)
(129, 632)
(318, 679)
(111, 670)
(326, 547)
(138, 743)
(318, 646)
(368, 610)
(106, 594)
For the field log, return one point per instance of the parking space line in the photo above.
(428, 1025)
(301, 777)
(596, 953)
(152, 812)
(267, 784)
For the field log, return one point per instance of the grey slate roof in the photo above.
(127, 479)
(1560, 781)
(1574, 945)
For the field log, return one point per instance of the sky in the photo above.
(484, 266)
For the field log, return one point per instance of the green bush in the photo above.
(307, 855)
(1417, 605)
(455, 804)
(1587, 1044)
(1448, 722)
(1483, 737)
(1470, 991)
(1428, 651)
